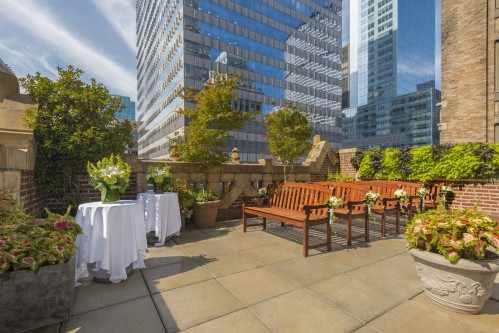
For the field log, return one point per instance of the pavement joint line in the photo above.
(152, 300)
(106, 306)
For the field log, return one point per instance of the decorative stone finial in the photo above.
(174, 154)
(235, 156)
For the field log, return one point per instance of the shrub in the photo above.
(30, 244)
(371, 164)
(10, 210)
(422, 164)
(391, 165)
(338, 177)
(453, 234)
(459, 162)
(205, 196)
(356, 159)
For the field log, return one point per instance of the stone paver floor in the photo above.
(222, 280)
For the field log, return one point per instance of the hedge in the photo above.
(429, 163)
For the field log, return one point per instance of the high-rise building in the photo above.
(127, 110)
(284, 51)
(470, 71)
(391, 47)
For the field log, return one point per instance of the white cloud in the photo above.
(42, 25)
(121, 15)
(423, 69)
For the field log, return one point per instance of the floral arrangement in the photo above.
(159, 177)
(31, 243)
(370, 198)
(110, 176)
(458, 234)
(423, 192)
(334, 202)
(262, 192)
(401, 195)
(205, 196)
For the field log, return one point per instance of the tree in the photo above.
(210, 121)
(73, 122)
(289, 133)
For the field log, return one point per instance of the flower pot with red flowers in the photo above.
(456, 256)
(37, 270)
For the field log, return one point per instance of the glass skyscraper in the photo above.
(127, 111)
(392, 61)
(284, 51)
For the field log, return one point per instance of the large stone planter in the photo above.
(463, 287)
(205, 214)
(29, 300)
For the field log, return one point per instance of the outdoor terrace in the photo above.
(221, 280)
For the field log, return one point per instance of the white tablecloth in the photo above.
(162, 214)
(113, 238)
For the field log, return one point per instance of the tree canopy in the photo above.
(210, 121)
(289, 133)
(73, 122)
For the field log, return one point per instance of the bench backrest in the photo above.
(294, 196)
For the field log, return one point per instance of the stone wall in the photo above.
(30, 196)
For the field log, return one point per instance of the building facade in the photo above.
(470, 71)
(284, 51)
(127, 110)
(391, 55)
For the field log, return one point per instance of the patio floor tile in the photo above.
(135, 316)
(192, 305)
(164, 255)
(230, 264)
(256, 285)
(300, 311)
(97, 295)
(241, 322)
(185, 272)
(274, 253)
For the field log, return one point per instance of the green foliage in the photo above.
(73, 122)
(459, 162)
(338, 177)
(205, 196)
(454, 234)
(160, 177)
(29, 244)
(210, 122)
(356, 159)
(10, 210)
(289, 133)
(422, 165)
(391, 167)
(371, 164)
(110, 176)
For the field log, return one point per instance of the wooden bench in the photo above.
(297, 204)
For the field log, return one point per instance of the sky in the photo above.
(98, 36)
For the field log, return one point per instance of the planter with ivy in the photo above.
(37, 269)
(206, 209)
(456, 257)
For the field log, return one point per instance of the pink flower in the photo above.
(27, 260)
(2, 242)
(61, 225)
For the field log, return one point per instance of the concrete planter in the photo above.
(31, 300)
(463, 287)
(205, 213)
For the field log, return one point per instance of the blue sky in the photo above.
(98, 36)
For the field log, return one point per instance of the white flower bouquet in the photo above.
(262, 192)
(110, 176)
(371, 197)
(401, 195)
(423, 192)
(159, 177)
(334, 202)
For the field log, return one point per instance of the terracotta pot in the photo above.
(205, 214)
(463, 287)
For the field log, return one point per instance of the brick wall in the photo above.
(30, 196)
(346, 167)
(485, 196)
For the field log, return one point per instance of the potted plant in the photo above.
(160, 178)
(37, 269)
(186, 201)
(110, 176)
(456, 256)
(206, 208)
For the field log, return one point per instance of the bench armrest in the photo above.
(355, 203)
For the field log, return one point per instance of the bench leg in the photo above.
(328, 236)
(383, 231)
(244, 221)
(282, 224)
(367, 227)
(305, 239)
(264, 223)
(397, 221)
(349, 231)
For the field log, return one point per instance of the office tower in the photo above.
(127, 110)
(391, 55)
(284, 51)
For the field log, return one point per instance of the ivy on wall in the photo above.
(428, 163)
